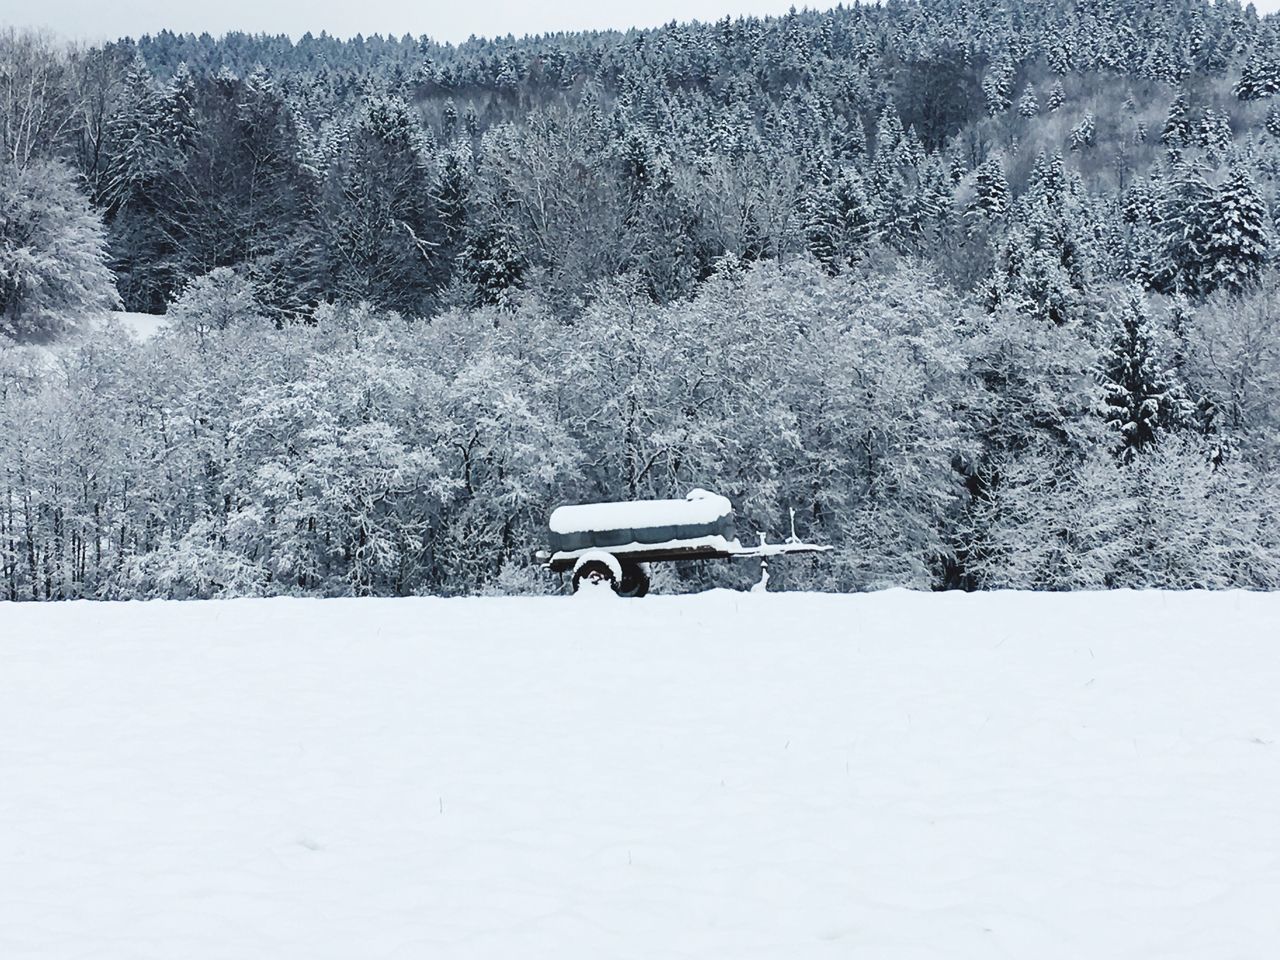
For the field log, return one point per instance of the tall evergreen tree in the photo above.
(1184, 218)
(1259, 78)
(1028, 105)
(382, 231)
(1057, 96)
(990, 190)
(1177, 126)
(1144, 399)
(997, 85)
(1237, 245)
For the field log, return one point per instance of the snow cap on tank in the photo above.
(698, 507)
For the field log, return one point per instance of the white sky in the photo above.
(453, 21)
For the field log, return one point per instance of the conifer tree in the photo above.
(139, 194)
(1273, 121)
(1177, 126)
(1214, 133)
(1259, 78)
(1028, 105)
(136, 132)
(452, 193)
(839, 220)
(492, 261)
(1144, 398)
(382, 230)
(1183, 225)
(997, 85)
(449, 121)
(990, 190)
(1237, 245)
(1082, 134)
(1057, 96)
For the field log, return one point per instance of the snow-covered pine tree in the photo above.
(1237, 244)
(839, 219)
(1057, 96)
(491, 260)
(1259, 78)
(135, 131)
(381, 227)
(1143, 395)
(452, 193)
(997, 85)
(1178, 130)
(1083, 133)
(140, 190)
(1214, 133)
(178, 109)
(990, 190)
(1028, 105)
(1184, 216)
(1272, 122)
(449, 121)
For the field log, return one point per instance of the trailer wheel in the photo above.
(635, 580)
(594, 571)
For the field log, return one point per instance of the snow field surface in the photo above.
(890, 775)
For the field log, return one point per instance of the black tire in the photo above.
(594, 570)
(635, 581)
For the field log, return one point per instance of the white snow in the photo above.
(143, 326)
(727, 775)
(699, 507)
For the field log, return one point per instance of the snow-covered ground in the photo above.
(719, 776)
(143, 326)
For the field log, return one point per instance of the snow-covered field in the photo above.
(718, 776)
(143, 326)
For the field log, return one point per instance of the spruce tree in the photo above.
(1237, 246)
(492, 261)
(178, 121)
(1259, 78)
(1082, 134)
(997, 85)
(840, 221)
(1057, 96)
(140, 194)
(1214, 133)
(1273, 121)
(452, 193)
(1028, 105)
(1177, 126)
(1144, 398)
(990, 190)
(822, 221)
(382, 229)
(1184, 216)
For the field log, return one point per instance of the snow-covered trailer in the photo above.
(613, 542)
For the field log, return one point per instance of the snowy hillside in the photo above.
(716, 776)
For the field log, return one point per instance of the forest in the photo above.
(985, 291)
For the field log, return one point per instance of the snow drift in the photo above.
(725, 775)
